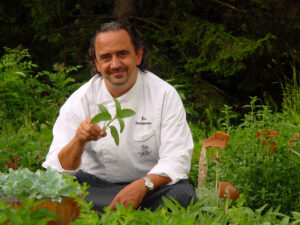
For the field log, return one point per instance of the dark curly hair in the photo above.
(115, 26)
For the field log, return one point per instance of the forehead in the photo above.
(111, 41)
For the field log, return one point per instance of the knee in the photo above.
(183, 193)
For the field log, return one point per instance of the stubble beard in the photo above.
(114, 80)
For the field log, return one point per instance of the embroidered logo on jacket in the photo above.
(143, 121)
(144, 151)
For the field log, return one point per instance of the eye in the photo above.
(105, 57)
(123, 53)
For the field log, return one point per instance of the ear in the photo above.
(139, 56)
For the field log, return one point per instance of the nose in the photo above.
(115, 62)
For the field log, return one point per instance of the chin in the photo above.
(119, 82)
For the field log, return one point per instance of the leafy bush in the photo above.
(26, 147)
(29, 104)
(263, 177)
(17, 93)
(173, 213)
(25, 96)
(40, 184)
(291, 92)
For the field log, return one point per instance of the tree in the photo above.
(124, 9)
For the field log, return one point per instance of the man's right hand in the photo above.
(70, 155)
(89, 132)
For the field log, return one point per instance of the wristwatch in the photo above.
(148, 184)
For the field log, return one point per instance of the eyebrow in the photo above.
(103, 56)
(123, 51)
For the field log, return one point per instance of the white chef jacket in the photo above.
(156, 140)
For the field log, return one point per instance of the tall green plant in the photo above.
(29, 103)
(291, 92)
(263, 177)
(17, 94)
(27, 95)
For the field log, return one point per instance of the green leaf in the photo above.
(122, 124)
(118, 107)
(102, 108)
(115, 134)
(103, 116)
(285, 221)
(126, 113)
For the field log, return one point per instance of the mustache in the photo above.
(119, 69)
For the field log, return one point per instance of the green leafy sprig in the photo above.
(104, 115)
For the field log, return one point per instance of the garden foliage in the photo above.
(29, 104)
(25, 215)
(220, 51)
(263, 177)
(204, 61)
(173, 213)
(40, 184)
(268, 179)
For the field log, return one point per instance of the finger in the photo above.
(97, 130)
(95, 126)
(112, 208)
(92, 133)
(112, 205)
(81, 134)
(97, 134)
(94, 130)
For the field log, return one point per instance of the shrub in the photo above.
(25, 96)
(40, 184)
(263, 177)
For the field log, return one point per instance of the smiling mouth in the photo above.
(118, 72)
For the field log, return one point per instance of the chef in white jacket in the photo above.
(153, 157)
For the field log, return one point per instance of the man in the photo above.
(154, 155)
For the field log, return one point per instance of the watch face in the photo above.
(149, 184)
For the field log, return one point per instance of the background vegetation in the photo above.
(221, 51)
(235, 64)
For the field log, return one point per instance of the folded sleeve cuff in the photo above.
(174, 169)
(53, 162)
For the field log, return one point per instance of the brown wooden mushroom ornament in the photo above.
(226, 190)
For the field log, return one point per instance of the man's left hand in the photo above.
(132, 193)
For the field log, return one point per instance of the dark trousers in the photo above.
(101, 192)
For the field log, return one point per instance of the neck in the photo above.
(116, 91)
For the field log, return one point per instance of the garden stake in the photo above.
(218, 140)
(203, 168)
(217, 168)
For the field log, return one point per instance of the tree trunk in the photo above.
(124, 9)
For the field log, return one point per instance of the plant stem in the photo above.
(227, 200)
(109, 122)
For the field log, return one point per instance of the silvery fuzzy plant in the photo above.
(104, 115)
(41, 184)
